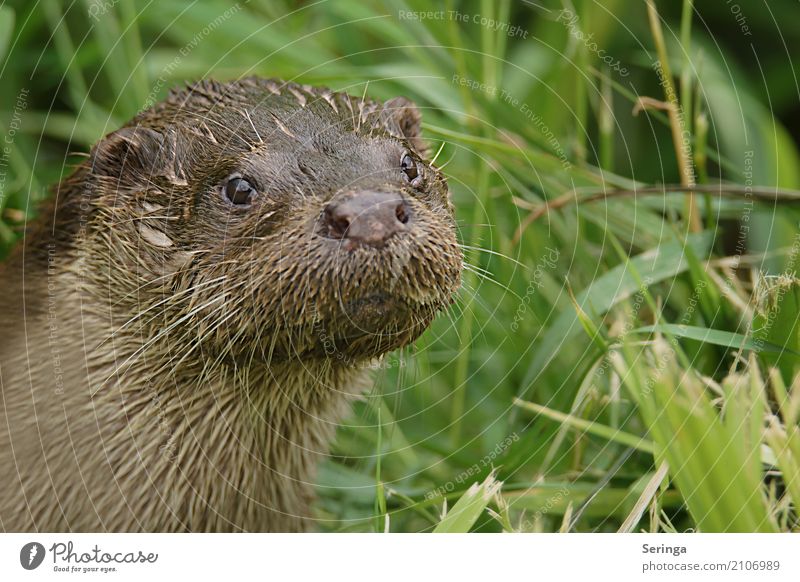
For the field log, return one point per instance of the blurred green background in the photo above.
(560, 368)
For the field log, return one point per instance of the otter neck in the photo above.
(245, 440)
(221, 446)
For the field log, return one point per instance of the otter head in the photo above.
(277, 221)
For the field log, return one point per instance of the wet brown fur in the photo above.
(170, 363)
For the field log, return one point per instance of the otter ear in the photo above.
(404, 120)
(130, 154)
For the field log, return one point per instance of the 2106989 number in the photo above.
(755, 565)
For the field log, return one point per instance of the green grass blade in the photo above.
(469, 507)
(717, 337)
(606, 291)
(601, 430)
(6, 29)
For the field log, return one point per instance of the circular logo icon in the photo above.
(31, 555)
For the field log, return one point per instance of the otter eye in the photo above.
(409, 168)
(239, 191)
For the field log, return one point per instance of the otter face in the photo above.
(288, 221)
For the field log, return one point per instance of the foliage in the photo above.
(633, 422)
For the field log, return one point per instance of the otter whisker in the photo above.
(441, 147)
(157, 337)
(477, 300)
(477, 269)
(199, 340)
(453, 318)
(212, 283)
(444, 165)
(492, 252)
(258, 135)
(481, 275)
(462, 223)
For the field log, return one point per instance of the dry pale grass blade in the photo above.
(650, 490)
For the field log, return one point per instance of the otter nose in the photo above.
(369, 218)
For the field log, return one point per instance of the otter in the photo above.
(189, 317)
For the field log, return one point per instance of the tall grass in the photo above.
(617, 360)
